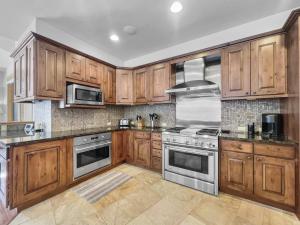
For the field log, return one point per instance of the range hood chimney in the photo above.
(195, 76)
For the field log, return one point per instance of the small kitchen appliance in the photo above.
(272, 125)
(124, 122)
(153, 120)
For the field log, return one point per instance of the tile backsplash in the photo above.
(166, 113)
(240, 113)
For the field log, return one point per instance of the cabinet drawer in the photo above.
(143, 135)
(156, 163)
(156, 144)
(237, 146)
(279, 151)
(156, 153)
(156, 136)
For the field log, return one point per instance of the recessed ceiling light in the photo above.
(114, 37)
(176, 7)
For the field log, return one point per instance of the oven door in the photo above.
(191, 162)
(90, 157)
(85, 95)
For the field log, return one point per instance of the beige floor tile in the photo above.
(38, 210)
(190, 220)
(148, 178)
(164, 188)
(141, 220)
(251, 212)
(21, 218)
(165, 213)
(43, 219)
(275, 217)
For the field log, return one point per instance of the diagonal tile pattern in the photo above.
(146, 199)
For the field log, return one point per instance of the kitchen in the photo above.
(207, 135)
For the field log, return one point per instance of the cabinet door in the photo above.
(236, 70)
(268, 66)
(237, 172)
(118, 147)
(75, 66)
(128, 146)
(3, 181)
(31, 67)
(94, 72)
(110, 85)
(38, 170)
(124, 86)
(141, 79)
(142, 152)
(50, 70)
(20, 76)
(159, 82)
(274, 179)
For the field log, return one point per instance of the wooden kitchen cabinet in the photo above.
(118, 152)
(156, 152)
(128, 146)
(237, 171)
(124, 86)
(160, 81)
(20, 74)
(274, 179)
(75, 66)
(268, 66)
(50, 70)
(39, 170)
(109, 88)
(236, 70)
(93, 72)
(142, 152)
(141, 82)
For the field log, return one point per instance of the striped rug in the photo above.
(96, 188)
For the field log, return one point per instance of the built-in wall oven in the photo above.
(90, 153)
(84, 95)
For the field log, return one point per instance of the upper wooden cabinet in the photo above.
(236, 70)
(51, 70)
(39, 71)
(124, 86)
(93, 72)
(141, 91)
(159, 82)
(268, 66)
(38, 171)
(109, 87)
(75, 66)
(257, 68)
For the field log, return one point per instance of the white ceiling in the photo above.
(94, 20)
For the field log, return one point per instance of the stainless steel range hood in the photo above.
(200, 75)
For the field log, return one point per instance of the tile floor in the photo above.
(146, 199)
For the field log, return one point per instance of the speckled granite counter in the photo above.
(39, 137)
(257, 138)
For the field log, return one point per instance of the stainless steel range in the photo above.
(190, 150)
(191, 158)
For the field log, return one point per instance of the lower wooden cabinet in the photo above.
(237, 171)
(268, 175)
(118, 153)
(128, 146)
(142, 152)
(275, 179)
(38, 170)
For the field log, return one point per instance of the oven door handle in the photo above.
(196, 152)
(79, 150)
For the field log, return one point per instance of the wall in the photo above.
(240, 113)
(166, 113)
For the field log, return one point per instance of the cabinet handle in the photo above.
(249, 157)
(259, 159)
(247, 93)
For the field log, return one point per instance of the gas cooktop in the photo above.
(195, 131)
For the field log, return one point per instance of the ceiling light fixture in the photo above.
(114, 37)
(176, 7)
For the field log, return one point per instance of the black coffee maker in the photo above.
(272, 125)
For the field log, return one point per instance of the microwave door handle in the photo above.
(79, 150)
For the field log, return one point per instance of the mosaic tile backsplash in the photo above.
(240, 113)
(166, 113)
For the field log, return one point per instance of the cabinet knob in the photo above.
(247, 93)
(254, 92)
(249, 157)
(259, 159)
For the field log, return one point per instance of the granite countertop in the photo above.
(23, 139)
(256, 138)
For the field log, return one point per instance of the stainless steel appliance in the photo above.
(90, 153)
(124, 122)
(190, 157)
(272, 125)
(190, 154)
(84, 95)
(153, 119)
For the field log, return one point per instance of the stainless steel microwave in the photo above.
(84, 95)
